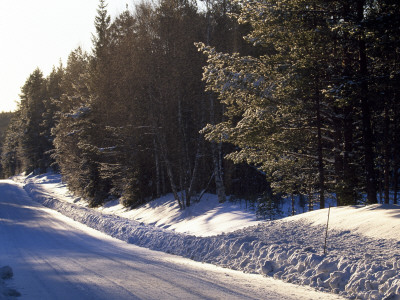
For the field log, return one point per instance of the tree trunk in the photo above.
(158, 171)
(387, 153)
(321, 173)
(349, 178)
(216, 151)
(168, 166)
(366, 113)
(338, 160)
(193, 178)
(310, 201)
(218, 174)
(292, 198)
(396, 152)
(395, 181)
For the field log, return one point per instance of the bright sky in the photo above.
(39, 33)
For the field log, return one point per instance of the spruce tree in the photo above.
(32, 143)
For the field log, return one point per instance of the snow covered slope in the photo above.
(204, 218)
(377, 221)
(363, 249)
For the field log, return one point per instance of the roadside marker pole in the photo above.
(326, 232)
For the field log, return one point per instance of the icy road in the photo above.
(54, 257)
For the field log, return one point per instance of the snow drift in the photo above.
(6, 292)
(359, 263)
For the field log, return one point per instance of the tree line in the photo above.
(123, 121)
(304, 105)
(5, 118)
(318, 111)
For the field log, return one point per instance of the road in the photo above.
(54, 257)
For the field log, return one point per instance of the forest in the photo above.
(246, 98)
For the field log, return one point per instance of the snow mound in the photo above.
(5, 292)
(6, 272)
(357, 263)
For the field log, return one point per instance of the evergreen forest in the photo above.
(259, 99)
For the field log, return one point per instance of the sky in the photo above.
(40, 33)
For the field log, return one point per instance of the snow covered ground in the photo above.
(54, 257)
(363, 247)
(205, 218)
(6, 292)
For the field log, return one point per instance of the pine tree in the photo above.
(319, 75)
(382, 22)
(270, 99)
(51, 114)
(74, 153)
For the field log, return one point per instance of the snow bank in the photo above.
(376, 221)
(5, 292)
(205, 218)
(291, 249)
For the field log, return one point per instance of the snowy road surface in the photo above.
(54, 257)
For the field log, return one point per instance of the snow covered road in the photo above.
(54, 257)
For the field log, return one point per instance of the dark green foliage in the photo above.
(307, 104)
(310, 110)
(31, 148)
(131, 191)
(5, 118)
(130, 129)
(268, 207)
(28, 138)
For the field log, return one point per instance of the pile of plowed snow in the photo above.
(6, 292)
(363, 246)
